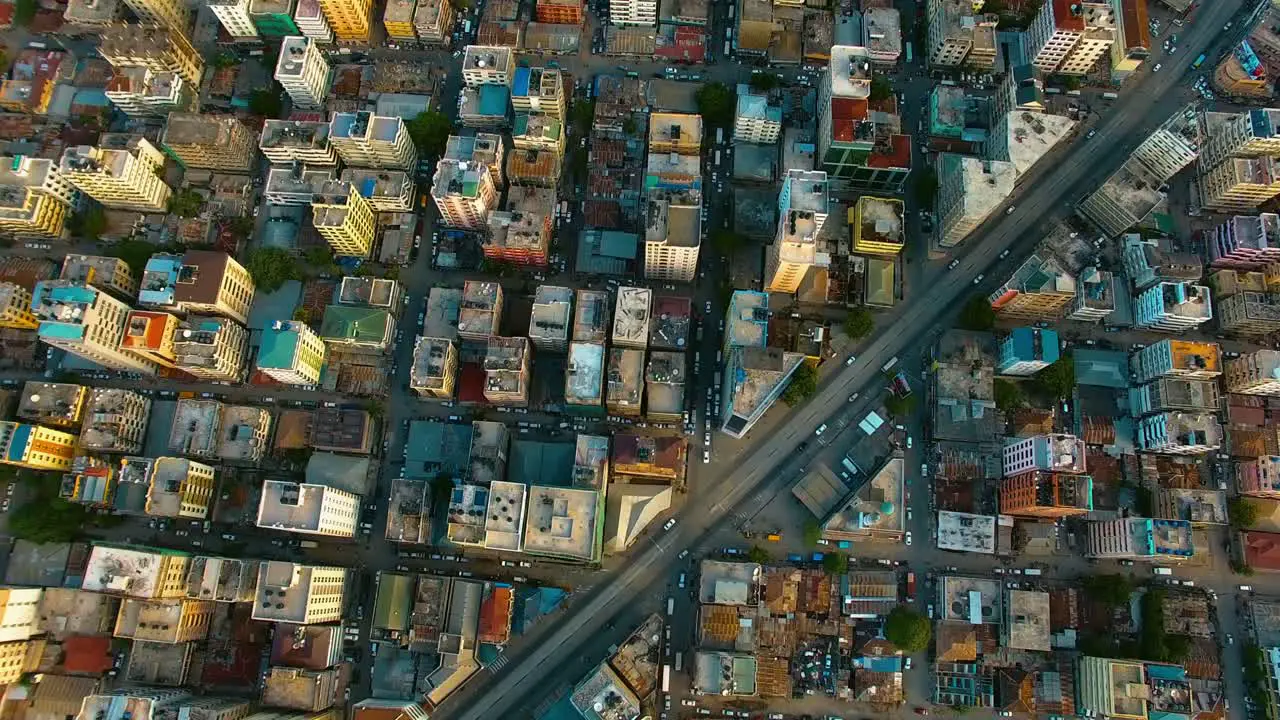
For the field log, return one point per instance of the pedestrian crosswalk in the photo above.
(499, 663)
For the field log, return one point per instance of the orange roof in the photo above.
(1136, 32)
(153, 337)
(897, 155)
(1262, 550)
(846, 113)
(495, 617)
(1066, 20)
(86, 654)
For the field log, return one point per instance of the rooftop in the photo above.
(430, 362)
(728, 583)
(591, 316)
(123, 571)
(486, 57)
(286, 505)
(480, 307)
(1028, 620)
(301, 134)
(881, 220)
(850, 69)
(602, 695)
(748, 316)
(670, 324)
(443, 308)
(1032, 135)
(284, 591)
(875, 507)
(631, 316)
(585, 373)
(966, 532)
(196, 129)
(551, 315)
(52, 403)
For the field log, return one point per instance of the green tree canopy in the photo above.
(977, 315)
(759, 555)
(908, 630)
(763, 82)
(1058, 380)
(88, 223)
(186, 203)
(441, 490)
(24, 11)
(271, 268)
(1242, 512)
(726, 241)
(717, 104)
(430, 131)
(859, 323)
(812, 533)
(881, 89)
(803, 385)
(835, 563)
(899, 407)
(584, 114)
(926, 187)
(134, 253)
(267, 103)
(1009, 396)
(48, 520)
(1112, 589)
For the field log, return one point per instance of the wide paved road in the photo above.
(1140, 110)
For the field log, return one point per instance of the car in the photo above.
(508, 563)
(821, 429)
(1230, 640)
(853, 397)
(908, 442)
(706, 457)
(908, 662)
(952, 265)
(1226, 27)
(851, 360)
(706, 438)
(688, 703)
(908, 537)
(229, 537)
(1157, 67)
(1009, 210)
(1004, 254)
(669, 524)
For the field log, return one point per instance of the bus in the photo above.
(849, 465)
(1199, 61)
(908, 52)
(666, 678)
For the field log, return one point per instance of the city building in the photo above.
(959, 33)
(464, 192)
(552, 315)
(1136, 538)
(1046, 494)
(1068, 38)
(146, 574)
(59, 405)
(756, 374)
(1249, 314)
(357, 329)
(803, 204)
(521, 233)
(633, 12)
(296, 185)
(631, 318)
(538, 132)
(971, 189)
(1104, 686)
(210, 142)
(673, 237)
(155, 47)
(122, 175)
(34, 198)
(158, 287)
(1173, 307)
(1245, 242)
(299, 594)
(242, 433)
(344, 219)
(180, 488)
(173, 14)
(210, 348)
(210, 281)
(104, 273)
(435, 368)
(169, 621)
(481, 311)
(285, 142)
(115, 421)
(1259, 477)
(1179, 358)
(584, 377)
(1041, 289)
(535, 89)
(1057, 453)
(560, 12)
(386, 190)
(675, 133)
(150, 336)
(1179, 433)
(1027, 350)
(308, 509)
(1253, 133)
(433, 20)
(506, 370)
(488, 149)
(1254, 373)
(1096, 293)
(350, 20)
(878, 227)
(235, 18)
(1174, 394)
(363, 139)
(291, 353)
(397, 18)
(195, 427)
(664, 383)
(1239, 184)
(303, 72)
(93, 14)
(758, 119)
(15, 307)
(86, 322)
(624, 384)
(487, 65)
(141, 92)
(310, 20)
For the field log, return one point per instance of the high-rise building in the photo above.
(159, 49)
(1041, 289)
(506, 370)
(311, 21)
(521, 233)
(435, 368)
(291, 353)
(1179, 433)
(387, 191)
(432, 19)
(129, 572)
(538, 132)
(19, 613)
(303, 71)
(672, 235)
(351, 20)
(235, 18)
(1057, 453)
(757, 373)
(149, 335)
(551, 318)
(308, 509)
(971, 190)
(1254, 373)
(397, 18)
(1046, 494)
(464, 193)
(560, 12)
(299, 594)
(55, 405)
(1259, 477)
(15, 307)
(1253, 133)
(296, 185)
(1174, 393)
(1239, 184)
(481, 311)
(488, 65)
(105, 273)
(803, 205)
(274, 18)
(344, 219)
(133, 703)
(758, 119)
(878, 225)
(1246, 242)
(115, 421)
(143, 92)
(678, 133)
(173, 14)
(1069, 37)
(211, 348)
(211, 142)
(633, 12)
(1173, 307)
(34, 197)
(285, 142)
(122, 173)
(1027, 350)
(363, 139)
(1249, 313)
(1241, 73)
(1177, 358)
(211, 281)
(856, 147)
(36, 447)
(180, 488)
(632, 313)
(959, 33)
(537, 90)
(86, 322)
(169, 621)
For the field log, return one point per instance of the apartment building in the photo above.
(673, 235)
(285, 142)
(397, 18)
(433, 19)
(1173, 307)
(1259, 477)
(299, 594)
(1069, 37)
(19, 613)
(678, 133)
(1041, 289)
(296, 185)
(803, 204)
(172, 14)
(311, 21)
(1245, 242)
(1177, 358)
(878, 227)
(633, 12)
(15, 308)
(960, 34)
(506, 370)
(1041, 494)
(1255, 373)
(308, 509)
(142, 92)
(34, 198)
(758, 119)
(631, 316)
(1134, 538)
(1059, 453)
(969, 192)
(209, 281)
(157, 48)
(385, 190)
(235, 18)
(481, 310)
(147, 574)
(105, 273)
(1174, 394)
(180, 488)
(537, 90)
(56, 405)
(36, 447)
(1179, 433)
(123, 173)
(303, 71)
(1251, 134)
(149, 335)
(170, 621)
(291, 353)
(521, 233)
(1250, 314)
(211, 142)
(115, 421)
(211, 348)
(858, 148)
(551, 318)
(759, 373)
(488, 65)
(464, 193)
(435, 368)
(1026, 351)
(344, 219)
(1239, 184)
(86, 322)
(350, 20)
(363, 139)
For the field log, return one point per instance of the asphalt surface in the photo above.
(1058, 183)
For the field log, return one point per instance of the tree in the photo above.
(726, 241)
(717, 104)
(926, 187)
(88, 223)
(584, 114)
(441, 490)
(134, 253)
(763, 82)
(759, 555)
(1243, 513)
(907, 629)
(430, 131)
(858, 323)
(1111, 589)
(48, 520)
(835, 563)
(1058, 380)
(375, 408)
(266, 103)
(226, 60)
(24, 11)
(803, 385)
(812, 533)
(899, 407)
(629, 126)
(880, 88)
(977, 315)
(271, 268)
(185, 203)
(302, 314)
(1009, 396)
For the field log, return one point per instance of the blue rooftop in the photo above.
(493, 100)
(159, 278)
(520, 82)
(21, 436)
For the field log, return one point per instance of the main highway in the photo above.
(1065, 176)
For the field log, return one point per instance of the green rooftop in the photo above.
(395, 594)
(278, 347)
(361, 325)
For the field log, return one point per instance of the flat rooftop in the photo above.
(591, 318)
(1032, 135)
(670, 325)
(53, 403)
(748, 319)
(584, 375)
(284, 591)
(626, 377)
(195, 427)
(665, 379)
(430, 362)
(563, 522)
(729, 583)
(551, 315)
(444, 306)
(966, 532)
(294, 506)
(480, 307)
(631, 315)
(881, 220)
(135, 573)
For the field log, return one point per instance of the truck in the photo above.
(666, 678)
(726, 48)
(889, 365)
(717, 152)
(308, 544)
(719, 141)
(911, 587)
(1032, 571)
(679, 661)
(1199, 61)
(671, 606)
(850, 466)
(1162, 571)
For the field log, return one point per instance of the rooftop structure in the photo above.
(135, 573)
(591, 319)
(286, 141)
(631, 317)
(565, 523)
(59, 405)
(307, 508)
(966, 532)
(481, 310)
(195, 428)
(299, 594)
(585, 373)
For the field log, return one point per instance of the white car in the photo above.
(706, 457)
(1157, 67)
(851, 360)
(908, 537)
(669, 524)
(821, 429)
